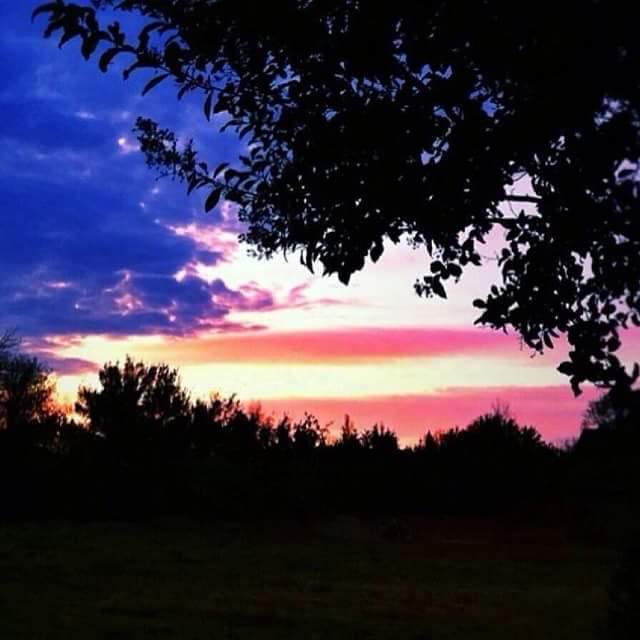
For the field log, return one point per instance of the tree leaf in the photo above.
(154, 82)
(89, 45)
(207, 106)
(213, 199)
(438, 288)
(49, 7)
(566, 368)
(107, 57)
(455, 270)
(376, 251)
(68, 35)
(221, 167)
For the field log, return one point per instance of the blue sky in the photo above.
(84, 221)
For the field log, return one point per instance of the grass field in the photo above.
(344, 578)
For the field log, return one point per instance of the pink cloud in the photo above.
(553, 410)
(252, 297)
(297, 299)
(215, 238)
(248, 297)
(344, 345)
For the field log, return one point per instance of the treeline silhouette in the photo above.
(139, 446)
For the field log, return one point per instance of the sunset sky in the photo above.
(101, 260)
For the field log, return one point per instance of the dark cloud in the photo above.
(85, 239)
(66, 366)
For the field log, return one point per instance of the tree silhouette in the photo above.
(282, 435)
(492, 460)
(349, 440)
(208, 421)
(609, 444)
(308, 435)
(606, 456)
(136, 404)
(380, 439)
(145, 448)
(368, 122)
(27, 392)
(8, 342)
(31, 417)
(619, 410)
(605, 460)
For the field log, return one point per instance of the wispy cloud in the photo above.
(66, 366)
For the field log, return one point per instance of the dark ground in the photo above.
(339, 578)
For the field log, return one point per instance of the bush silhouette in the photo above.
(137, 406)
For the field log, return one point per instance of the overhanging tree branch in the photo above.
(334, 160)
(522, 198)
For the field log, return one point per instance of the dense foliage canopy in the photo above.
(134, 397)
(435, 122)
